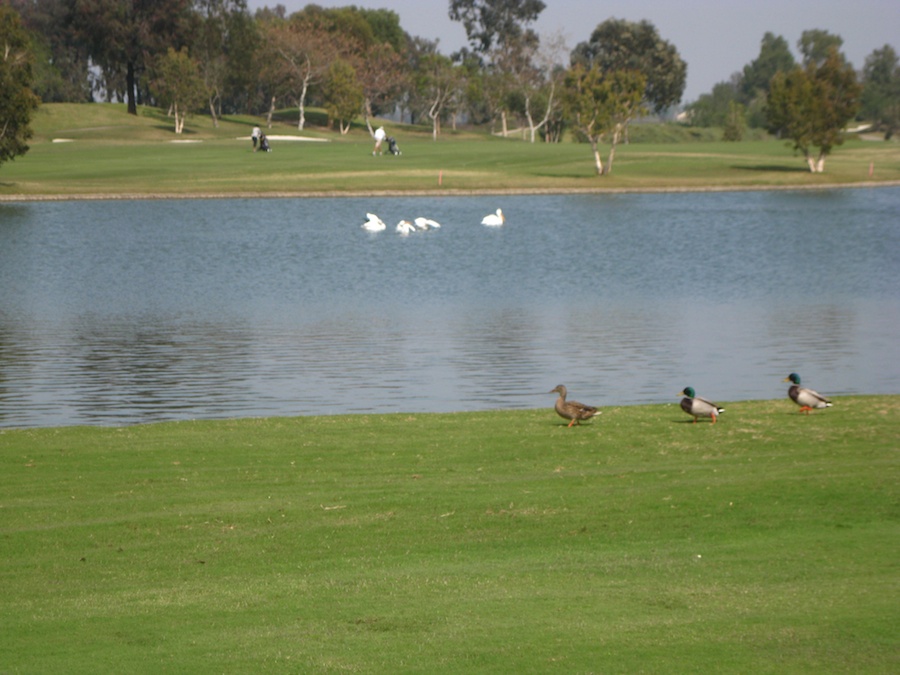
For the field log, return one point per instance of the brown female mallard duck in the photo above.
(572, 410)
(807, 399)
(698, 407)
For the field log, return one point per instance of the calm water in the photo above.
(137, 311)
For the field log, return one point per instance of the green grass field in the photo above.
(486, 542)
(107, 152)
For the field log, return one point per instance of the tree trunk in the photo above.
(301, 103)
(597, 161)
(820, 164)
(617, 132)
(132, 89)
(367, 114)
(212, 112)
(270, 113)
(179, 119)
(503, 128)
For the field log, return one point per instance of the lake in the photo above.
(120, 312)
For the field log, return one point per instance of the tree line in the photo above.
(189, 56)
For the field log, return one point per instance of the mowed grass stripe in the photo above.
(499, 541)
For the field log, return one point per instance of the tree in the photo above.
(490, 24)
(774, 57)
(381, 74)
(60, 63)
(881, 90)
(223, 46)
(812, 104)
(753, 90)
(816, 44)
(617, 44)
(296, 56)
(598, 102)
(735, 122)
(178, 85)
(17, 101)
(712, 109)
(130, 34)
(436, 82)
(343, 94)
(532, 73)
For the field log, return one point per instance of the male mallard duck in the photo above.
(698, 407)
(807, 399)
(572, 410)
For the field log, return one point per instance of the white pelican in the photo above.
(494, 219)
(374, 223)
(405, 227)
(427, 223)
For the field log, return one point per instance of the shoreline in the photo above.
(131, 196)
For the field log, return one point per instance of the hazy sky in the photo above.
(715, 37)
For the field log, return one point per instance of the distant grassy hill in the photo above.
(100, 150)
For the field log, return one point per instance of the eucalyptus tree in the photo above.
(61, 63)
(617, 44)
(224, 47)
(811, 105)
(126, 35)
(382, 76)
(499, 35)
(17, 101)
(436, 81)
(295, 56)
(490, 24)
(600, 102)
(178, 84)
(815, 45)
(774, 56)
(881, 89)
(343, 94)
(713, 109)
(753, 89)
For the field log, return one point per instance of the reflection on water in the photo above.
(115, 313)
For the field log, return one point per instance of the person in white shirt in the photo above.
(379, 137)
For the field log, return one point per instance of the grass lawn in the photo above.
(487, 542)
(97, 149)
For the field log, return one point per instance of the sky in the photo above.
(715, 37)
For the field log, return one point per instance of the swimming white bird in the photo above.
(374, 223)
(405, 227)
(494, 219)
(427, 224)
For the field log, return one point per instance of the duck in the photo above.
(572, 410)
(374, 223)
(698, 407)
(427, 224)
(807, 399)
(405, 227)
(494, 219)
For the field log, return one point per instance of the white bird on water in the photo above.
(374, 223)
(405, 227)
(427, 224)
(494, 219)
